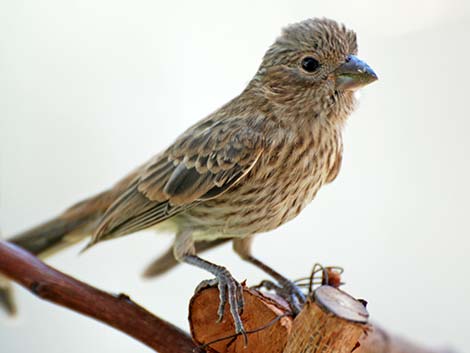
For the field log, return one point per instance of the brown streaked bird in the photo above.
(249, 167)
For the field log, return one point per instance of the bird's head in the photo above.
(312, 66)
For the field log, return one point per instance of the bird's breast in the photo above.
(285, 179)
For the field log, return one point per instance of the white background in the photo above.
(90, 89)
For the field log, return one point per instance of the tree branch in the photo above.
(337, 327)
(331, 322)
(119, 311)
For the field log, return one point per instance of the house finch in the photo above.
(249, 167)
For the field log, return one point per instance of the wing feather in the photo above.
(203, 163)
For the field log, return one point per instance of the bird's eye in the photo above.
(310, 64)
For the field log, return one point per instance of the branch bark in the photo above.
(267, 318)
(272, 329)
(119, 311)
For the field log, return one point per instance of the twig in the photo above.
(119, 311)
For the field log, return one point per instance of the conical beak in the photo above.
(354, 74)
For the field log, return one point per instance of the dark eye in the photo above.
(310, 64)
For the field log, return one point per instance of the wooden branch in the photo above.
(260, 311)
(330, 322)
(116, 311)
(315, 330)
(377, 340)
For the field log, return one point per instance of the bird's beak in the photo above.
(353, 74)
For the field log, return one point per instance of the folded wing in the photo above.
(203, 163)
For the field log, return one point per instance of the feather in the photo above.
(181, 177)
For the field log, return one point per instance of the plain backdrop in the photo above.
(91, 89)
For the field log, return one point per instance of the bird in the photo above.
(249, 167)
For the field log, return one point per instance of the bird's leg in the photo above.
(286, 289)
(230, 290)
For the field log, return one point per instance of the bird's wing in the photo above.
(203, 163)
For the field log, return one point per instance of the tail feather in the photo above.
(7, 301)
(51, 236)
(65, 230)
(43, 241)
(46, 239)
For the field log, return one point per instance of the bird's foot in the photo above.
(231, 292)
(293, 295)
(288, 291)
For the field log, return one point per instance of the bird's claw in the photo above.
(287, 290)
(231, 292)
(294, 296)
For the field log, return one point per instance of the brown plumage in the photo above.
(260, 159)
(249, 167)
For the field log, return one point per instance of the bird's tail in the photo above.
(75, 224)
(59, 233)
